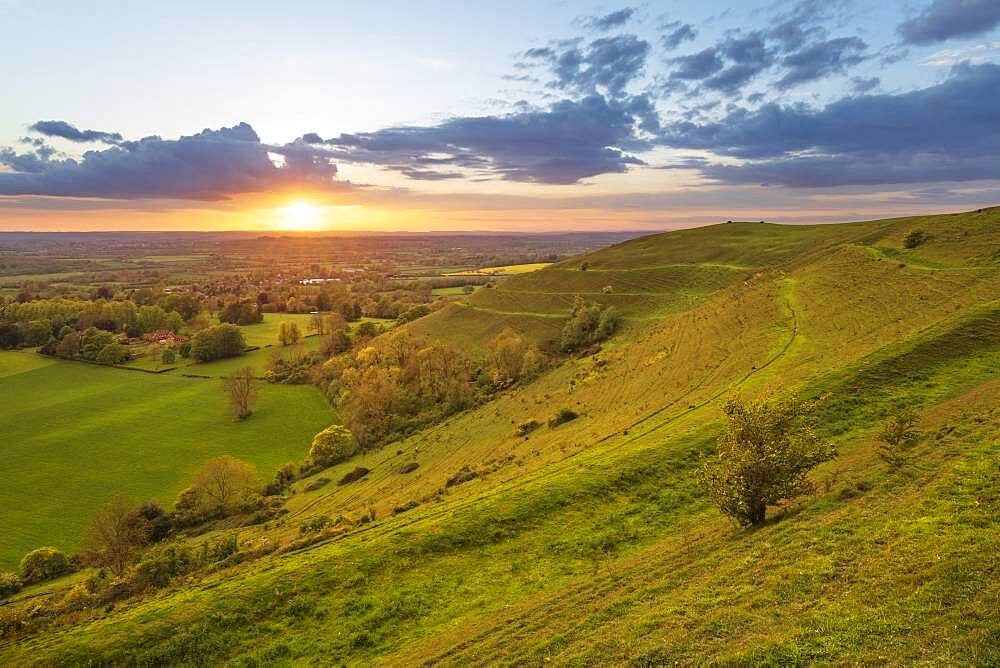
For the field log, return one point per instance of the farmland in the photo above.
(75, 434)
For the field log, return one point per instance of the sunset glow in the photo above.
(300, 215)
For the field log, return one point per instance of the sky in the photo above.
(513, 116)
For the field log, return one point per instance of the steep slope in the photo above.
(591, 542)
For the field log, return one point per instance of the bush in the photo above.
(168, 356)
(316, 484)
(43, 564)
(526, 428)
(763, 457)
(10, 584)
(409, 467)
(562, 417)
(896, 437)
(217, 343)
(315, 525)
(588, 324)
(357, 474)
(113, 353)
(914, 239)
(332, 446)
(184, 350)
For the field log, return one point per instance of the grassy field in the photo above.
(506, 270)
(592, 543)
(76, 433)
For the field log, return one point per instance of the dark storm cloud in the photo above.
(608, 63)
(608, 22)
(675, 33)
(945, 19)
(569, 141)
(210, 165)
(930, 134)
(64, 130)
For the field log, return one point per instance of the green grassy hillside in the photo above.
(592, 543)
(74, 434)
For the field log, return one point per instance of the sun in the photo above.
(300, 215)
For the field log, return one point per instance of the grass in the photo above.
(591, 543)
(77, 433)
(506, 270)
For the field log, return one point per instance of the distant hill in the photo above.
(591, 542)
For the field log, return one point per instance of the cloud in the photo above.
(861, 85)
(64, 130)
(609, 21)
(606, 64)
(210, 165)
(796, 45)
(946, 132)
(675, 33)
(832, 56)
(945, 19)
(568, 142)
(698, 65)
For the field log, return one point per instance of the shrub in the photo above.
(77, 598)
(409, 505)
(763, 457)
(897, 436)
(316, 484)
(113, 353)
(562, 417)
(588, 324)
(184, 350)
(526, 428)
(409, 467)
(217, 342)
(914, 239)
(10, 584)
(43, 564)
(357, 474)
(168, 356)
(332, 446)
(315, 525)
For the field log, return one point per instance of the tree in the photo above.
(897, 436)
(42, 564)
(225, 484)
(69, 345)
(246, 312)
(186, 304)
(241, 386)
(10, 335)
(93, 341)
(505, 357)
(289, 333)
(332, 446)
(217, 342)
(168, 356)
(763, 457)
(336, 342)
(113, 353)
(317, 323)
(115, 536)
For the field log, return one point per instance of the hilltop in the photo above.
(591, 542)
